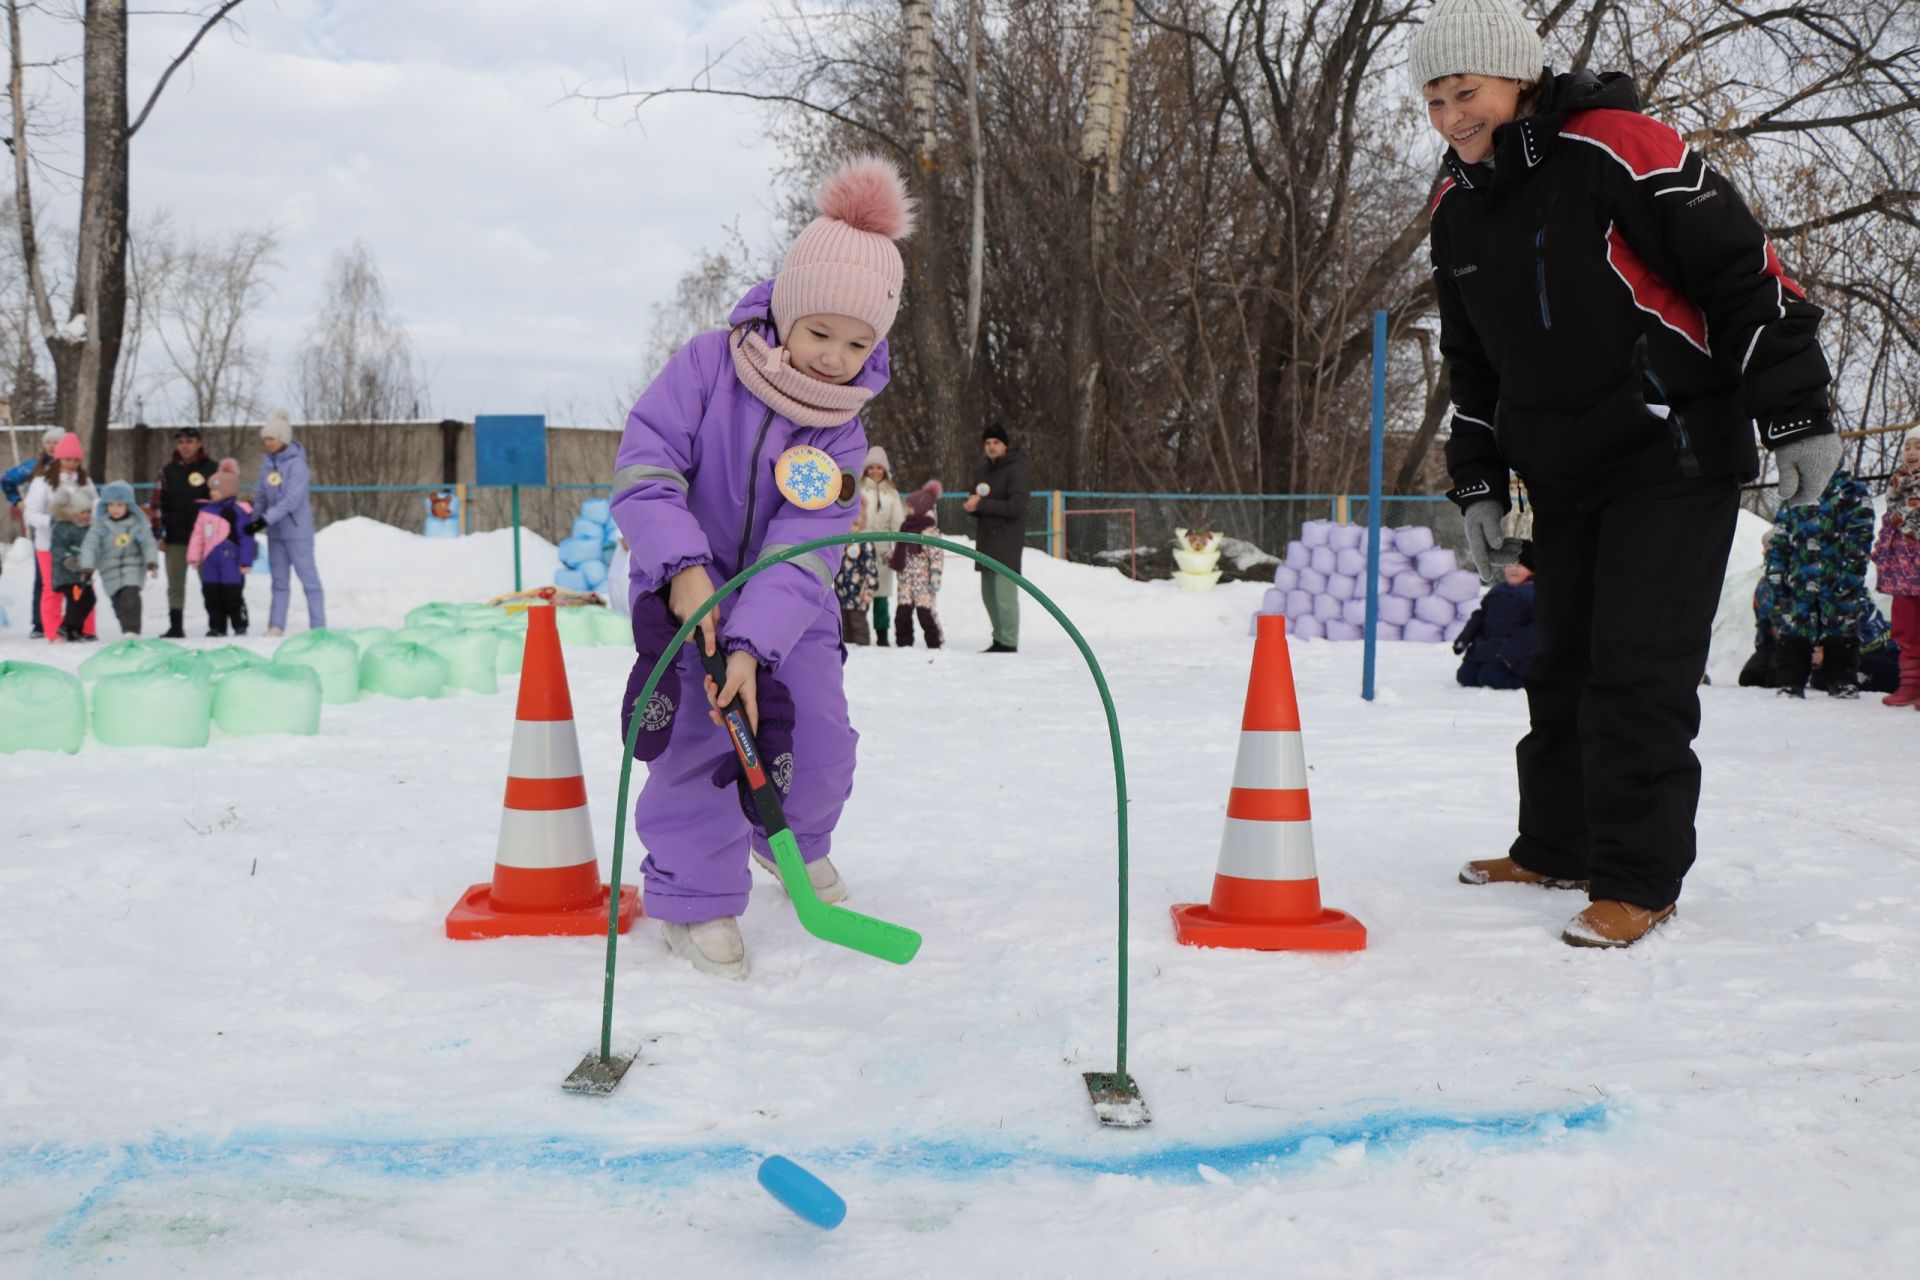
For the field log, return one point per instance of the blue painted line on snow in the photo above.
(311, 1157)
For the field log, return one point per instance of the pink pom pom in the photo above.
(933, 487)
(868, 194)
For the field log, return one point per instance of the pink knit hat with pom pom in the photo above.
(845, 262)
(922, 500)
(225, 478)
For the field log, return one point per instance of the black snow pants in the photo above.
(1624, 596)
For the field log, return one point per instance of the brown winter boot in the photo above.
(1610, 923)
(1507, 871)
(1908, 694)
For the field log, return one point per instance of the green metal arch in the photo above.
(733, 584)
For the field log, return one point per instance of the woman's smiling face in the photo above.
(1465, 110)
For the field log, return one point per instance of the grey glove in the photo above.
(1805, 467)
(1490, 551)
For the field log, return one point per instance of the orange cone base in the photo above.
(475, 916)
(1197, 925)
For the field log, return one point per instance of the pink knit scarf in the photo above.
(803, 401)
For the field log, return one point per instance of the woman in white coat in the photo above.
(885, 513)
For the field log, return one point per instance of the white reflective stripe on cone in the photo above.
(544, 749)
(1270, 760)
(1252, 850)
(545, 838)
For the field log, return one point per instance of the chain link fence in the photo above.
(1129, 532)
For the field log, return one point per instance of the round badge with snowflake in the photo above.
(808, 477)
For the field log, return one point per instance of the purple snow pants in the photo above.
(284, 556)
(695, 834)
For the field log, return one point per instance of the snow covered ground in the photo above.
(234, 1042)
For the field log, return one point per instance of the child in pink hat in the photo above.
(749, 443)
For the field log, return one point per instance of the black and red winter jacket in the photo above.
(1611, 314)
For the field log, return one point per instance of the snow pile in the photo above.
(1425, 595)
(303, 1067)
(375, 573)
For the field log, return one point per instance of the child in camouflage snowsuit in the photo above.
(854, 586)
(1816, 572)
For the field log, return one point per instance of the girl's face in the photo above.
(1467, 109)
(1910, 452)
(876, 473)
(118, 510)
(69, 466)
(830, 348)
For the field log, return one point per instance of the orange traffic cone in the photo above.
(546, 877)
(1266, 893)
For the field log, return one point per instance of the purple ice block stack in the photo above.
(1425, 596)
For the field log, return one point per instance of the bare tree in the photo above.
(701, 300)
(797, 72)
(1101, 136)
(203, 302)
(86, 345)
(1266, 187)
(357, 364)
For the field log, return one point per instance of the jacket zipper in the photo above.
(753, 493)
(1540, 274)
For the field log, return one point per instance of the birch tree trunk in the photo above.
(100, 268)
(1100, 141)
(943, 361)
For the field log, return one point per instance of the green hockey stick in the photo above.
(850, 929)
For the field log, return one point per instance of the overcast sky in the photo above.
(523, 240)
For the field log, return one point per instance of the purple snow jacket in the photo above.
(695, 485)
(222, 562)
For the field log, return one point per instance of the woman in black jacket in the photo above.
(1615, 324)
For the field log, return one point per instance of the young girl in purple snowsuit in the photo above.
(730, 457)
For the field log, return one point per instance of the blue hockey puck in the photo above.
(801, 1192)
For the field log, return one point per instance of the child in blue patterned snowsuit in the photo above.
(1816, 573)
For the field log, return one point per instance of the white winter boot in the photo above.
(827, 884)
(712, 946)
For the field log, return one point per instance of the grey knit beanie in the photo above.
(1475, 37)
(278, 427)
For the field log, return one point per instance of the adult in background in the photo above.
(14, 484)
(885, 513)
(1613, 321)
(179, 491)
(998, 504)
(285, 514)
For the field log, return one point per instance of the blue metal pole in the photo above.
(1374, 462)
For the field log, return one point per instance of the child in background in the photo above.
(884, 512)
(223, 550)
(64, 471)
(118, 546)
(1896, 554)
(1817, 567)
(721, 462)
(72, 512)
(1500, 639)
(917, 570)
(854, 585)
